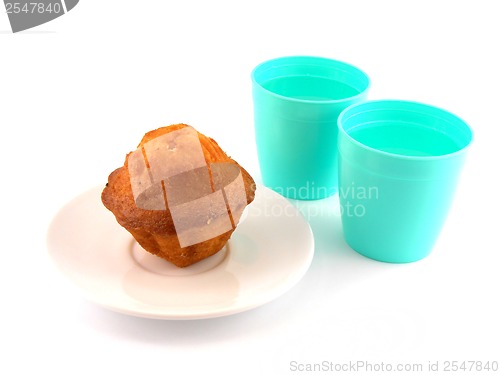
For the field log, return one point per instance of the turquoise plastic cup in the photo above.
(399, 163)
(297, 101)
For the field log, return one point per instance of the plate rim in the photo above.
(253, 303)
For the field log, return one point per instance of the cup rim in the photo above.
(411, 106)
(361, 94)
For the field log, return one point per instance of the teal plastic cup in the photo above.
(399, 163)
(297, 101)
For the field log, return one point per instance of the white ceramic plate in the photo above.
(268, 253)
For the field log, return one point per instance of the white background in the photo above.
(78, 93)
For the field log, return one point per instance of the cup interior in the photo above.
(405, 128)
(310, 78)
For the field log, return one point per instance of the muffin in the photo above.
(179, 194)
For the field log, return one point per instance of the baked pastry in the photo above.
(179, 194)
